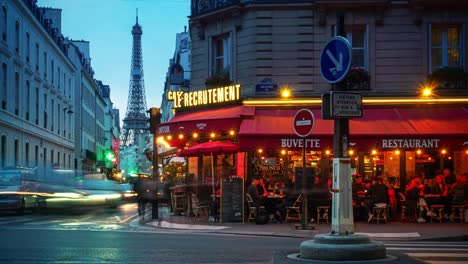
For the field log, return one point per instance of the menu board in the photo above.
(232, 194)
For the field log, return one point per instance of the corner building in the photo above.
(399, 48)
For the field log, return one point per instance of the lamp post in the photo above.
(155, 120)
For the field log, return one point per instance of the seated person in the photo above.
(289, 199)
(359, 193)
(257, 198)
(378, 196)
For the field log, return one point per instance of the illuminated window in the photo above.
(221, 54)
(357, 37)
(446, 48)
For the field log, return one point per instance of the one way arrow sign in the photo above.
(335, 59)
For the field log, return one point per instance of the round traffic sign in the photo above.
(303, 122)
(335, 59)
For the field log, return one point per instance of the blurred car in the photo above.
(17, 189)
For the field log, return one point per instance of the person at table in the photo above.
(439, 189)
(449, 177)
(359, 197)
(252, 190)
(378, 195)
(288, 200)
(262, 190)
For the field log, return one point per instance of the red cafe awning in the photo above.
(208, 148)
(206, 121)
(378, 128)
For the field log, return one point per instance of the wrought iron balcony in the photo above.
(200, 7)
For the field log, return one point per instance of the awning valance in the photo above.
(422, 127)
(206, 121)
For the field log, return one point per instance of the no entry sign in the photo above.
(303, 122)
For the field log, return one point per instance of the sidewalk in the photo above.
(388, 231)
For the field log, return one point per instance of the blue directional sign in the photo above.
(335, 59)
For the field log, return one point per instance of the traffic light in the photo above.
(110, 155)
(155, 119)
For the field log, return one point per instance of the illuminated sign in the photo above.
(410, 143)
(226, 94)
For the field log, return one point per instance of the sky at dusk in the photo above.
(107, 24)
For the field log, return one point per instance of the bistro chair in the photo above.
(252, 208)
(380, 212)
(294, 212)
(197, 209)
(437, 212)
(458, 212)
(322, 213)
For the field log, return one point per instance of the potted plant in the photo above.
(357, 79)
(448, 78)
(219, 78)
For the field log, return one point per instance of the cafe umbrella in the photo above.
(210, 148)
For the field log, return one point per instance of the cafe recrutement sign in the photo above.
(220, 95)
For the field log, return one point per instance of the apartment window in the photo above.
(45, 64)
(36, 156)
(52, 116)
(357, 37)
(37, 105)
(64, 160)
(52, 71)
(59, 80)
(221, 54)
(446, 47)
(28, 99)
(52, 158)
(45, 157)
(16, 154)
(26, 150)
(3, 93)
(3, 151)
(59, 118)
(37, 56)
(17, 36)
(4, 22)
(17, 91)
(45, 110)
(28, 46)
(58, 158)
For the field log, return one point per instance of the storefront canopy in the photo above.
(379, 127)
(209, 148)
(206, 121)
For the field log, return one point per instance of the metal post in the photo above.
(342, 214)
(304, 189)
(154, 203)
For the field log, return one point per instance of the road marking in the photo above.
(425, 249)
(440, 254)
(126, 220)
(118, 218)
(17, 220)
(392, 235)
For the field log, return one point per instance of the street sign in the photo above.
(335, 59)
(303, 122)
(345, 104)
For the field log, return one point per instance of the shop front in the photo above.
(396, 140)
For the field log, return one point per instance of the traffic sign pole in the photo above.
(303, 124)
(342, 213)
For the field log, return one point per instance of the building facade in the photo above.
(36, 91)
(260, 48)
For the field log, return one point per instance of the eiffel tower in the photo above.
(135, 122)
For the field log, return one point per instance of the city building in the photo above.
(254, 64)
(36, 89)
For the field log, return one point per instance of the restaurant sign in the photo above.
(220, 95)
(297, 143)
(410, 143)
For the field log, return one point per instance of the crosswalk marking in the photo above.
(438, 254)
(16, 220)
(425, 249)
